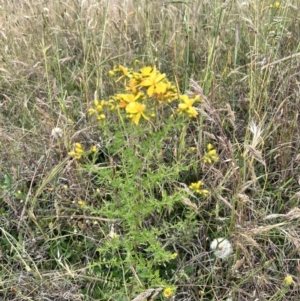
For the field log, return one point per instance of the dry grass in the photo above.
(241, 57)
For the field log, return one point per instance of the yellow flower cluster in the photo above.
(145, 90)
(196, 187)
(77, 152)
(211, 155)
(98, 108)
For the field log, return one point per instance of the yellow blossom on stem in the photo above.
(151, 82)
(211, 155)
(136, 111)
(204, 192)
(78, 148)
(99, 108)
(212, 152)
(275, 5)
(72, 154)
(77, 152)
(196, 187)
(168, 292)
(170, 94)
(81, 203)
(133, 86)
(91, 111)
(101, 117)
(288, 280)
(125, 99)
(146, 71)
(160, 88)
(209, 147)
(94, 149)
(186, 106)
(124, 70)
(111, 73)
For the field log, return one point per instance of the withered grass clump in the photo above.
(125, 206)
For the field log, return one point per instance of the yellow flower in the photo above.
(101, 117)
(94, 149)
(209, 147)
(111, 73)
(165, 92)
(99, 108)
(72, 154)
(186, 105)
(168, 292)
(81, 203)
(136, 111)
(196, 186)
(211, 155)
(174, 255)
(77, 152)
(151, 82)
(133, 86)
(288, 280)
(125, 99)
(124, 70)
(91, 111)
(146, 71)
(275, 5)
(212, 152)
(160, 88)
(78, 148)
(204, 192)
